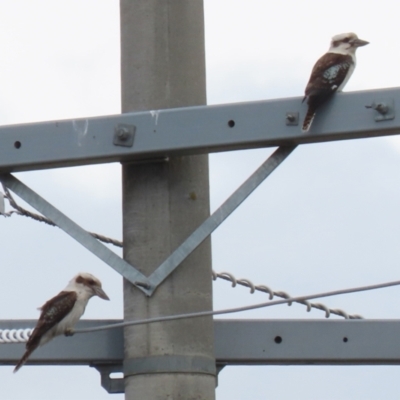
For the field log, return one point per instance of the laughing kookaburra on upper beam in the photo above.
(331, 72)
(60, 314)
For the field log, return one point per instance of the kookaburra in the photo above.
(331, 72)
(60, 314)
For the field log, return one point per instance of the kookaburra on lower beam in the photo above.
(60, 314)
(331, 72)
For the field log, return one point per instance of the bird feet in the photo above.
(69, 332)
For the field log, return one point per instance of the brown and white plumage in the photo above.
(331, 73)
(60, 314)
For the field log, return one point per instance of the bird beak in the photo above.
(359, 43)
(98, 291)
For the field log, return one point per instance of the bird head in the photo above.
(89, 284)
(346, 43)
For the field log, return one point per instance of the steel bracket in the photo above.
(111, 385)
(75, 231)
(157, 364)
(149, 284)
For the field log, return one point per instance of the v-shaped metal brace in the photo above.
(149, 284)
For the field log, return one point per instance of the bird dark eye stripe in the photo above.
(85, 281)
(336, 43)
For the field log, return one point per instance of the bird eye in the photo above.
(346, 40)
(91, 282)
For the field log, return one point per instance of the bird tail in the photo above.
(24, 358)
(308, 119)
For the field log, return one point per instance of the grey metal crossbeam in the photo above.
(237, 342)
(97, 347)
(195, 130)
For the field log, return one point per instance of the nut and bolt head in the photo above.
(382, 108)
(123, 134)
(291, 118)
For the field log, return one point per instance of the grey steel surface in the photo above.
(237, 342)
(74, 230)
(308, 342)
(111, 385)
(193, 130)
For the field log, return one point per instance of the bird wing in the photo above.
(328, 74)
(53, 311)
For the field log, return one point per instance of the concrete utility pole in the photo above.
(163, 66)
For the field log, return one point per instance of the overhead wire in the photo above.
(240, 309)
(18, 335)
(266, 289)
(37, 217)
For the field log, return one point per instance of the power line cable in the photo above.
(21, 335)
(266, 289)
(240, 309)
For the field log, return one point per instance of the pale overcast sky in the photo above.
(328, 218)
